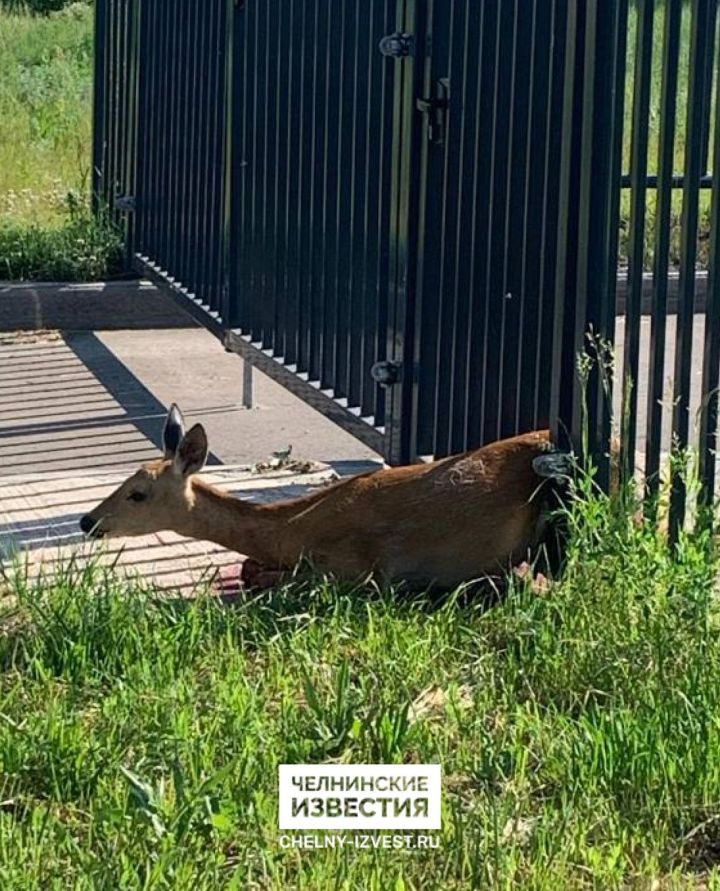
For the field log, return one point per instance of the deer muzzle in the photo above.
(90, 526)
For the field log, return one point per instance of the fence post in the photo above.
(230, 295)
(401, 404)
(588, 223)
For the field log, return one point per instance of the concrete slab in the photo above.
(191, 368)
(93, 306)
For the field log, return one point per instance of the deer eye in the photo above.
(137, 496)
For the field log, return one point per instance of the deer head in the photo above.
(157, 496)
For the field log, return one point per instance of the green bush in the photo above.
(83, 248)
(39, 7)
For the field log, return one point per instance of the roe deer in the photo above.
(441, 523)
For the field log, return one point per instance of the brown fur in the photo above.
(440, 523)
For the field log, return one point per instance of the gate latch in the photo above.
(396, 45)
(436, 108)
(386, 373)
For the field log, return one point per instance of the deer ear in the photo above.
(173, 431)
(192, 452)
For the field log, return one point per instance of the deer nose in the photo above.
(87, 524)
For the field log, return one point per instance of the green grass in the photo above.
(45, 106)
(578, 730)
(46, 228)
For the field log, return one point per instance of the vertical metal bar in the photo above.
(350, 370)
(708, 444)
(126, 81)
(379, 214)
(431, 189)
(282, 129)
(495, 318)
(202, 164)
(165, 132)
(535, 187)
(636, 241)
(467, 263)
(225, 30)
(187, 125)
(513, 279)
(294, 174)
(133, 74)
(218, 164)
(317, 279)
(112, 117)
(233, 49)
(175, 261)
(333, 195)
(563, 397)
(168, 135)
(549, 261)
(142, 73)
(482, 239)
(709, 66)
(347, 182)
(407, 134)
(307, 222)
(207, 111)
(150, 198)
(110, 124)
(663, 208)
(192, 137)
(99, 101)
(243, 170)
(145, 100)
(215, 172)
(208, 100)
(263, 173)
(444, 159)
(456, 133)
(703, 16)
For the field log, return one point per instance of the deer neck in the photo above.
(256, 530)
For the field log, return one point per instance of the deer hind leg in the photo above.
(255, 575)
(247, 574)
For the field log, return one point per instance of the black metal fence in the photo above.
(672, 358)
(408, 210)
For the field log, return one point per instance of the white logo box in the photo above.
(360, 796)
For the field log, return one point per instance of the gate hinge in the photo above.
(385, 373)
(397, 45)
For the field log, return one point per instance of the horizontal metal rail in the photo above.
(676, 181)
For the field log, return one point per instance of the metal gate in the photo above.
(407, 211)
(379, 226)
(362, 198)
